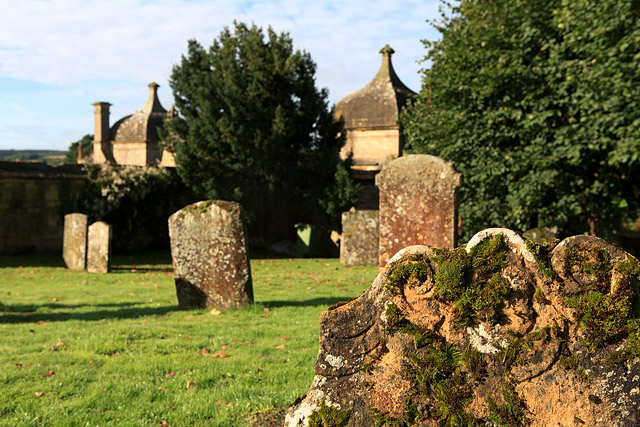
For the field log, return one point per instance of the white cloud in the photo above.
(109, 50)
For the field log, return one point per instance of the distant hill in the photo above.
(51, 157)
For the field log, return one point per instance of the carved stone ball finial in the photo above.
(154, 85)
(387, 50)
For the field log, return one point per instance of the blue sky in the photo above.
(57, 57)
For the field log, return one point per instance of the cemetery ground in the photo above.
(115, 349)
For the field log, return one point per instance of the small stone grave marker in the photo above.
(99, 248)
(74, 241)
(359, 241)
(209, 251)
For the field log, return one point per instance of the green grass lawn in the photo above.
(115, 349)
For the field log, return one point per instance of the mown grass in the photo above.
(115, 349)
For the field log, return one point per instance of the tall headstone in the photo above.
(74, 241)
(99, 248)
(360, 234)
(209, 251)
(417, 204)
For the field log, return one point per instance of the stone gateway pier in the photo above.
(500, 332)
(210, 257)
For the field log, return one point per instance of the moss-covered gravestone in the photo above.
(359, 241)
(99, 248)
(417, 204)
(210, 258)
(500, 332)
(74, 241)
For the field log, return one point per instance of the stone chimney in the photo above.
(101, 146)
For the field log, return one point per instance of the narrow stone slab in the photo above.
(74, 241)
(210, 259)
(417, 204)
(360, 234)
(99, 248)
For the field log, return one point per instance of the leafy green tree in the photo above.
(537, 103)
(256, 130)
(87, 149)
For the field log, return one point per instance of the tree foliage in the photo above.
(87, 149)
(537, 103)
(256, 130)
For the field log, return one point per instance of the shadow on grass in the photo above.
(314, 302)
(124, 312)
(35, 260)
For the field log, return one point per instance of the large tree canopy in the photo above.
(537, 103)
(256, 130)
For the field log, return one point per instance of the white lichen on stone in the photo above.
(335, 361)
(300, 417)
(484, 341)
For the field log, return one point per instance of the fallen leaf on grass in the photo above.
(248, 342)
(102, 410)
(204, 351)
(215, 312)
(59, 344)
(284, 338)
(165, 423)
(28, 364)
(48, 374)
(19, 365)
(169, 374)
(190, 384)
(90, 362)
(162, 388)
(280, 347)
(55, 300)
(223, 348)
(220, 355)
(40, 322)
(131, 294)
(39, 393)
(266, 309)
(171, 407)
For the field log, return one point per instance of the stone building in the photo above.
(132, 140)
(373, 134)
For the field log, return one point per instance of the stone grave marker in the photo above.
(210, 259)
(417, 204)
(359, 241)
(495, 333)
(74, 241)
(99, 248)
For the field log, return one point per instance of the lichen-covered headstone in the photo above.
(500, 332)
(359, 241)
(99, 248)
(210, 258)
(417, 204)
(74, 241)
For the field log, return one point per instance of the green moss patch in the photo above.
(473, 281)
(542, 255)
(329, 416)
(595, 263)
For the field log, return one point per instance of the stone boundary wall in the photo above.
(34, 197)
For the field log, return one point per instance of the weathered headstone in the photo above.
(417, 204)
(359, 241)
(500, 332)
(210, 259)
(99, 248)
(74, 241)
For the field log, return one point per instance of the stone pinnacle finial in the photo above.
(387, 50)
(154, 85)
